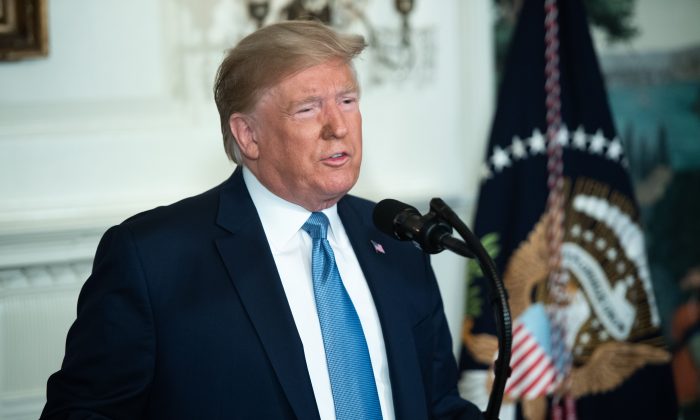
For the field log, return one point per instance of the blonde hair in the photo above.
(268, 55)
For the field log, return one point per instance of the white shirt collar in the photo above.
(281, 219)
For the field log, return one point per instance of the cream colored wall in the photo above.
(119, 118)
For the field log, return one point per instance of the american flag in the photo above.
(533, 372)
(511, 215)
(378, 248)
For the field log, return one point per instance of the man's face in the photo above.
(307, 133)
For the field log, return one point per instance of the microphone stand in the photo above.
(470, 248)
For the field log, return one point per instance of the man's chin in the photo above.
(329, 198)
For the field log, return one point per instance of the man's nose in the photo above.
(334, 125)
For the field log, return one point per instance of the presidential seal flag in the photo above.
(558, 214)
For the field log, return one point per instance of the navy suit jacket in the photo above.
(184, 317)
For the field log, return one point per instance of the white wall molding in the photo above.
(37, 306)
(24, 406)
(20, 251)
(91, 117)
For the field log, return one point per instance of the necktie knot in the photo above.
(316, 225)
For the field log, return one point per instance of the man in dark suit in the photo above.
(214, 307)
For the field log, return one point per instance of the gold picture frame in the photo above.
(23, 29)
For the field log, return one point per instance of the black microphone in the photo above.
(433, 233)
(404, 222)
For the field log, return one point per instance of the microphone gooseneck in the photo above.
(432, 233)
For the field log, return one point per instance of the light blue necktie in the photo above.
(349, 366)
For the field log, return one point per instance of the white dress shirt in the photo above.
(291, 249)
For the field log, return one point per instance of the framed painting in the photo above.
(23, 29)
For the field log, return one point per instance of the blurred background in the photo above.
(114, 114)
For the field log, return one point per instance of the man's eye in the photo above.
(349, 100)
(305, 110)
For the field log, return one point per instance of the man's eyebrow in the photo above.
(306, 100)
(350, 88)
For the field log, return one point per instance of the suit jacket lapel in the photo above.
(252, 269)
(380, 270)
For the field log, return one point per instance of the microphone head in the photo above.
(386, 213)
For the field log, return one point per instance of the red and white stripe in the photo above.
(533, 373)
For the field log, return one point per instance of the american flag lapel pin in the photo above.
(378, 248)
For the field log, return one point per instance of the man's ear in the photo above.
(241, 127)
